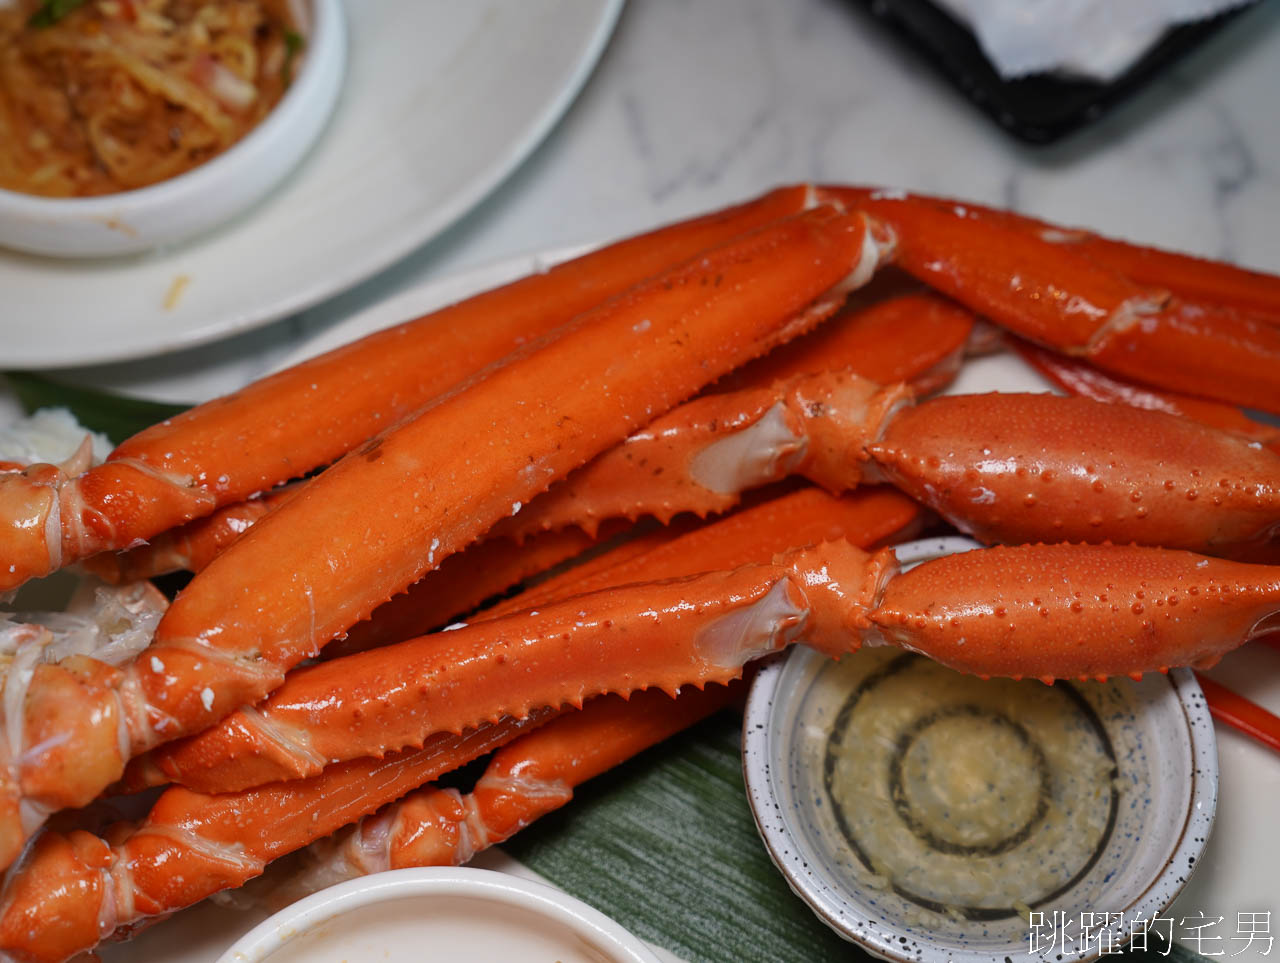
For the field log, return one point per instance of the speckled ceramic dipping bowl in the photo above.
(1105, 814)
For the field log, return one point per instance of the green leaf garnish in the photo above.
(116, 416)
(51, 11)
(293, 44)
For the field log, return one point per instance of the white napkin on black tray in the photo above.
(1091, 39)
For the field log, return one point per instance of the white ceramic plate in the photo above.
(442, 100)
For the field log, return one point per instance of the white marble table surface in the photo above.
(697, 103)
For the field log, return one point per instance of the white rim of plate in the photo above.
(500, 889)
(757, 759)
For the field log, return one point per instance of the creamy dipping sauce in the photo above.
(969, 798)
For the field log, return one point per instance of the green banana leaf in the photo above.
(115, 416)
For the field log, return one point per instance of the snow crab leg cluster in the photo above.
(619, 386)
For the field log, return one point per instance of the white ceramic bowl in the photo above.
(1146, 800)
(204, 197)
(444, 913)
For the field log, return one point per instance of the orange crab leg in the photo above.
(461, 583)
(1124, 609)
(890, 331)
(1233, 709)
(188, 547)
(442, 479)
(868, 517)
(1054, 296)
(439, 481)
(1001, 465)
(1077, 611)
(299, 729)
(1005, 611)
(806, 516)
(702, 456)
(526, 779)
(1025, 468)
(73, 890)
(1212, 282)
(1004, 467)
(701, 629)
(1193, 278)
(792, 412)
(285, 425)
(1080, 379)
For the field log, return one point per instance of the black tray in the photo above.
(1039, 108)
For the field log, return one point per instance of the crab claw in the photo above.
(1034, 467)
(1077, 611)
